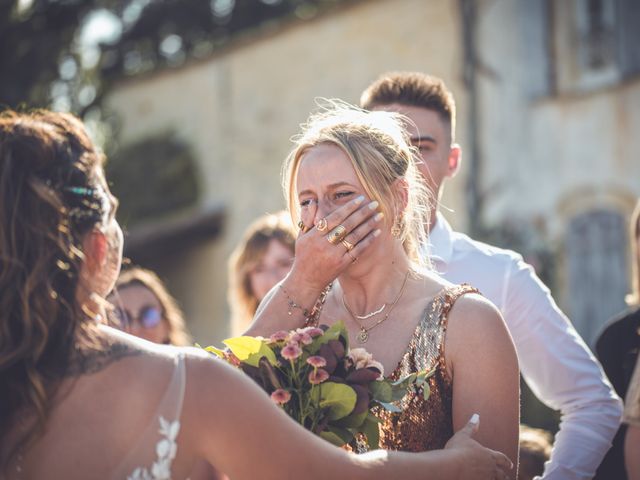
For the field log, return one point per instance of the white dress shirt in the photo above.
(554, 360)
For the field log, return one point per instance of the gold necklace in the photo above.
(363, 334)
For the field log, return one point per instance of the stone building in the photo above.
(548, 103)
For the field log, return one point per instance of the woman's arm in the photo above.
(317, 263)
(482, 360)
(237, 428)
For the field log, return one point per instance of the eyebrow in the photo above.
(331, 187)
(422, 138)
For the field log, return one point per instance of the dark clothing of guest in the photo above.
(617, 349)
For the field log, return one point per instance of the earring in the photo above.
(396, 230)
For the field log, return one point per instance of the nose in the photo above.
(322, 211)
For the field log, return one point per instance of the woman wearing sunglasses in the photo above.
(143, 307)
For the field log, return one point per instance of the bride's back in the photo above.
(117, 412)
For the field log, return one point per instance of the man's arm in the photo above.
(563, 373)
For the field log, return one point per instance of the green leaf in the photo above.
(250, 350)
(337, 436)
(371, 430)
(426, 390)
(338, 398)
(381, 391)
(215, 351)
(334, 332)
(353, 420)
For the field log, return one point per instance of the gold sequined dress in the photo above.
(424, 424)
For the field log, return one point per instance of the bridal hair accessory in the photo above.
(321, 226)
(337, 235)
(363, 335)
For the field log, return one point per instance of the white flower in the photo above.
(363, 359)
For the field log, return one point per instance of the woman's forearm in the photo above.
(380, 464)
(285, 307)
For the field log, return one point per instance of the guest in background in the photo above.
(144, 307)
(261, 260)
(535, 450)
(617, 349)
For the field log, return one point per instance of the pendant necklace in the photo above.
(363, 334)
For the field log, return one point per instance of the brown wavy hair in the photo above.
(171, 312)
(50, 196)
(246, 257)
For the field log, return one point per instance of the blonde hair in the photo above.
(171, 312)
(634, 234)
(246, 257)
(378, 148)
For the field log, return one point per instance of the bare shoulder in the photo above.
(474, 321)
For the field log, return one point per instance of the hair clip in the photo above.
(80, 190)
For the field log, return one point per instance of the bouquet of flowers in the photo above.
(327, 388)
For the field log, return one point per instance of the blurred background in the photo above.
(194, 101)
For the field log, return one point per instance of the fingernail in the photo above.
(475, 419)
(359, 200)
(373, 205)
(377, 232)
(379, 216)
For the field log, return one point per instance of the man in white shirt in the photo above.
(554, 360)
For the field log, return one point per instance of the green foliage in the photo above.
(153, 177)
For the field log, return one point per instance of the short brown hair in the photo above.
(414, 89)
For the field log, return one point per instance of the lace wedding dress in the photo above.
(156, 447)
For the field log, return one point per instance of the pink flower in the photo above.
(318, 375)
(279, 336)
(313, 331)
(317, 361)
(280, 396)
(291, 351)
(301, 337)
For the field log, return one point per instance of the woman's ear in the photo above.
(401, 193)
(95, 246)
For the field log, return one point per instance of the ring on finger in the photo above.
(348, 245)
(321, 226)
(302, 226)
(336, 235)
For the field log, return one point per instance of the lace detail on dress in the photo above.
(166, 450)
(151, 456)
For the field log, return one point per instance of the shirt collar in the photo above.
(441, 240)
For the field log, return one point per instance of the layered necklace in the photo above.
(363, 334)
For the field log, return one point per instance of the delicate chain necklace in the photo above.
(363, 335)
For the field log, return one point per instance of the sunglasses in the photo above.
(148, 317)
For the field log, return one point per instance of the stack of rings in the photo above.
(336, 236)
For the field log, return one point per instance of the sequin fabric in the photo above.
(424, 424)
